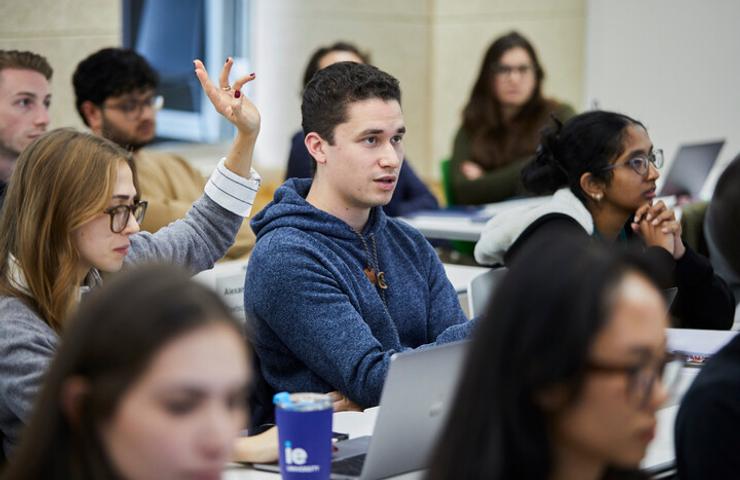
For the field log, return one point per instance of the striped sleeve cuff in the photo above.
(233, 192)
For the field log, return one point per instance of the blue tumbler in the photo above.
(304, 423)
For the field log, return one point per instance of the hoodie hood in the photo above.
(289, 208)
(504, 229)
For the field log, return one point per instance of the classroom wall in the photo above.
(463, 31)
(672, 64)
(65, 32)
(286, 32)
(434, 47)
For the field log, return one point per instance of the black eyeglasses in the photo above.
(132, 108)
(641, 377)
(120, 214)
(640, 164)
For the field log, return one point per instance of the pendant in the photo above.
(370, 274)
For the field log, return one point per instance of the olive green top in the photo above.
(500, 183)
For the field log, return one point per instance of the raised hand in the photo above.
(228, 100)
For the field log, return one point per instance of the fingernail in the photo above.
(655, 222)
(649, 217)
(237, 94)
(252, 74)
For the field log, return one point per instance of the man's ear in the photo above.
(316, 147)
(94, 116)
(593, 187)
(74, 391)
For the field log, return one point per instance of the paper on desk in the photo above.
(355, 424)
(698, 342)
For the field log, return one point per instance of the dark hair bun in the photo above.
(545, 173)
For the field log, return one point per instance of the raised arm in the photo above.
(209, 228)
(228, 100)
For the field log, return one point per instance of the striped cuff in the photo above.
(233, 192)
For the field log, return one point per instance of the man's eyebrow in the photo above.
(371, 131)
(27, 94)
(378, 131)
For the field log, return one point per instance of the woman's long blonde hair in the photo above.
(61, 180)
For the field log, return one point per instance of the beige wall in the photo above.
(65, 32)
(432, 46)
(286, 32)
(463, 31)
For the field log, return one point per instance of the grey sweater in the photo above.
(28, 343)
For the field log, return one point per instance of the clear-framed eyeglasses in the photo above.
(641, 163)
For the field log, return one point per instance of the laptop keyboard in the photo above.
(351, 466)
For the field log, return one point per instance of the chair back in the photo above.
(444, 166)
(481, 288)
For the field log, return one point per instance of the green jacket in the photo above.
(498, 184)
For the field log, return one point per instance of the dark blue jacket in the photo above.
(410, 196)
(317, 323)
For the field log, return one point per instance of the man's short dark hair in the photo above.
(332, 89)
(24, 60)
(111, 72)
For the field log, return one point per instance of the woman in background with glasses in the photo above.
(565, 387)
(602, 168)
(72, 210)
(501, 123)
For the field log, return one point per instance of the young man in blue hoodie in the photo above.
(334, 287)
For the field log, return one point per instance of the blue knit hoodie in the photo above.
(318, 323)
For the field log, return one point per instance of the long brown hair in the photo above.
(110, 344)
(494, 143)
(61, 180)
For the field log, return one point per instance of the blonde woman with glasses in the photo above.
(73, 211)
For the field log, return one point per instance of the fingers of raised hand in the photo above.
(243, 80)
(223, 78)
(201, 73)
(209, 88)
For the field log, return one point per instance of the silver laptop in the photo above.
(416, 396)
(690, 169)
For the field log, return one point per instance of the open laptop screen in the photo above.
(690, 169)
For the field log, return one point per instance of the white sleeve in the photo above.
(233, 192)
